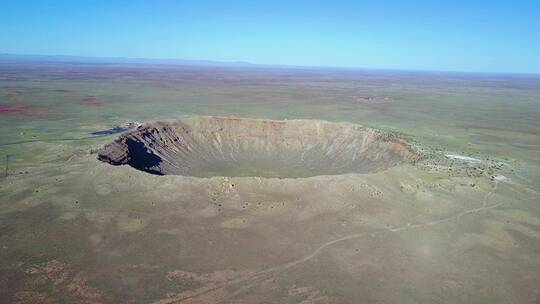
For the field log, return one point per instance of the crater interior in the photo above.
(223, 146)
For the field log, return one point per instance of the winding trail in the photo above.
(256, 277)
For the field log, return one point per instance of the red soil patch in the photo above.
(11, 109)
(535, 117)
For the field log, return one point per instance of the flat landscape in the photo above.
(157, 183)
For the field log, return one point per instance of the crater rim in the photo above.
(224, 146)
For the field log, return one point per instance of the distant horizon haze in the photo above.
(75, 59)
(419, 35)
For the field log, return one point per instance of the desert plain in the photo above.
(269, 185)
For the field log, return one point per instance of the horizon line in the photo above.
(241, 63)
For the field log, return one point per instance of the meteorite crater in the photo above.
(222, 146)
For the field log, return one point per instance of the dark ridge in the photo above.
(114, 130)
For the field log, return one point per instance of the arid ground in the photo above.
(360, 221)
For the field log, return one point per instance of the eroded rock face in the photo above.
(219, 146)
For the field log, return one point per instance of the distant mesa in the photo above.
(223, 146)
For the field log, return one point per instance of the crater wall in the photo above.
(222, 146)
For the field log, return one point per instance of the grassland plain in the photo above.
(461, 225)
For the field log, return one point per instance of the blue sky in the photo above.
(476, 35)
